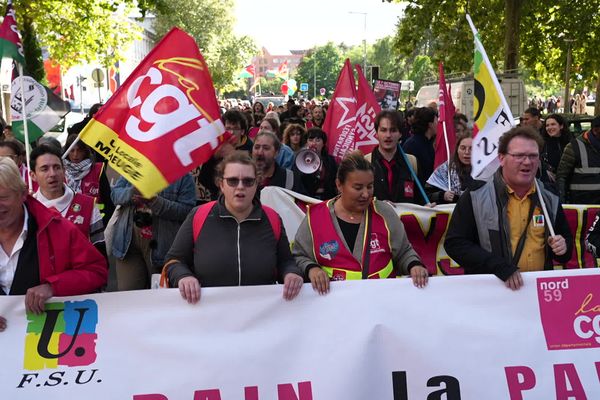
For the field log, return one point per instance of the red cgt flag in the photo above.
(341, 115)
(350, 121)
(365, 136)
(163, 121)
(444, 141)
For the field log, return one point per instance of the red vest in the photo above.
(80, 212)
(90, 184)
(335, 258)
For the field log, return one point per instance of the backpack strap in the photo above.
(199, 219)
(200, 216)
(274, 221)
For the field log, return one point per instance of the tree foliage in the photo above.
(34, 64)
(327, 61)
(78, 31)
(392, 67)
(536, 31)
(210, 22)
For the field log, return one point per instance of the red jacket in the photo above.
(67, 259)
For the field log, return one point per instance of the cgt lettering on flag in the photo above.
(163, 121)
(159, 108)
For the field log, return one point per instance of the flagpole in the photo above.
(447, 152)
(25, 128)
(544, 209)
(414, 175)
(66, 153)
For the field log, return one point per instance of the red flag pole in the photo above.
(446, 115)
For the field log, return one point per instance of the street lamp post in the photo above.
(364, 14)
(315, 73)
(566, 101)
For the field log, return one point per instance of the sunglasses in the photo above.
(234, 182)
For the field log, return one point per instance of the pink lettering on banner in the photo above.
(212, 394)
(286, 391)
(519, 379)
(570, 311)
(426, 244)
(567, 382)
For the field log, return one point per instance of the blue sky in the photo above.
(282, 25)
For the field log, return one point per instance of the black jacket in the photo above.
(422, 148)
(223, 257)
(463, 242)
(404, 188)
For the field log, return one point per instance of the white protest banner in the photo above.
(426, 227)
(463, 337)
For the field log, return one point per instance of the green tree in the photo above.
(327, 61)
(531, 35)
(34, 64)
(270, 85)
(79, 31)
(210, 22)
(421, 70)
(391, 65)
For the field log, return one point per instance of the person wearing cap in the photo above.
(577, 175)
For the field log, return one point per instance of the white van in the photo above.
(462, 95)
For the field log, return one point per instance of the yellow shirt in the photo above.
(533, 255)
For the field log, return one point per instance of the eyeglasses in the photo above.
(521, 157)
(234, 182)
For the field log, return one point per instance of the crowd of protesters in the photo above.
(210, 229)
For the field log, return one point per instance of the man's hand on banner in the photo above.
(419, 276)
(2, 324)
(515, 281)
(319, 280)
(36, 297)
(189, 287)
(292, 284)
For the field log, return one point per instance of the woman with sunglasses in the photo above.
(234, 241)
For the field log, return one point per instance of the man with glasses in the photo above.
(498, 227)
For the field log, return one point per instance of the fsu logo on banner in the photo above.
(163, 121)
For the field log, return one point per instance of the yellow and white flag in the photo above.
(492, 114)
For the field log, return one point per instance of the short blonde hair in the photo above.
(10, 177)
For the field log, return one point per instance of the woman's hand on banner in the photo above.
(189, 287)
(292, 284)
(419, 276)
(319, 280)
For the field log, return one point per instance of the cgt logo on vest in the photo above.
(375, 244)
(63, 336)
